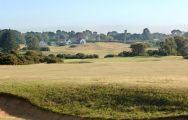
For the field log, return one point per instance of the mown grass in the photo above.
(122, 88)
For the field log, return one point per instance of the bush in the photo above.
(185, 57)
(126, 54)
(31, 57)
(139, 49)
(45, 49)
(72, 46)
(110, 56)
(8, 59)
(52, 59)
(77, 56)
(35, 57)
(153, 52)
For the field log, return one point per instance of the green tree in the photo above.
(182, 45)
(168, 47)
(32, 42)
(146, 34)
(8, 41)
(139, 49)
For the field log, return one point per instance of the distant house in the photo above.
(83, 41)
(68, 42)
(42, 44)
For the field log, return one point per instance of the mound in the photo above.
(17, 108)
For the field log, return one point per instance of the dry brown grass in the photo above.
(165, 73)
(92, 48)
(161, 84)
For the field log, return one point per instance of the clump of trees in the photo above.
(174, 46)
(77, 56)
(137, 49)
(177, 45)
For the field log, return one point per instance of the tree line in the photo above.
(173, 46)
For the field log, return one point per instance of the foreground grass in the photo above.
(105, 102)
(118, 88)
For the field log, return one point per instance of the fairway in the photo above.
(163, 73)
(122, 87)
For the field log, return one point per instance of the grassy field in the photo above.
(99, 48)
(115, 88)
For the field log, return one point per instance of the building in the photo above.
(42, 44)
(68, 42)
(83, 41)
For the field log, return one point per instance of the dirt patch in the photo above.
(17, 108)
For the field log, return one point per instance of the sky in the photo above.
(96, 15)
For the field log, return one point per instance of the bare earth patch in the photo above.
(15, 108)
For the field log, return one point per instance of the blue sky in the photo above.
(96, 15)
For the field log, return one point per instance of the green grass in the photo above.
(106, 102)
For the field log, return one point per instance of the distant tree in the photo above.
(71, 34)
(79, 35)
(32, 42)
(135, 37)
(138, 49)
(146, 34)
(168, 47)
(176, 32)
(182, 45)
(104, 37)
(19, 37)
(8, 41)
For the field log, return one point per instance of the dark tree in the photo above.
(32, 42)
(146, 34)
(168, 47)
(139, 49)
(182, 45)
(8, 41)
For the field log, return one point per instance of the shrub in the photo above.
(52, 59)
(110, 56)
(31, 57)
(185, 57)
(72, 46)
(126, 54)
(45, 49)
(77, 56)
(139, 49)
(153, 52)
(8, 59)
(35, 57)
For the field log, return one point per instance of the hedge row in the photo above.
(131, 54)
(31, 57)
(77, 56)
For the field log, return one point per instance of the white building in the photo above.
(83, 41)
(42, 44)
(68, 42)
